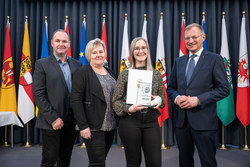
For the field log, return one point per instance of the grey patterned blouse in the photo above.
(108, 85)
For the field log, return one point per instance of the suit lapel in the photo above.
(58, 70)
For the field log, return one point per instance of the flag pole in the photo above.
(245, 148)
(27, 144)
(82, 145)
(223, 146)
(163, 147)
(66, 19)
(27, 125)
(6, 128)
(6, 137)
(103, 17)
(203, 15)
(126, 18)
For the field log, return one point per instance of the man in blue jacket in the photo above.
(197, 81)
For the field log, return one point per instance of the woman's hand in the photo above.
(135, 107)
(85, 133)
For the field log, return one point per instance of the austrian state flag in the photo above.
(243, 96)
(26, 107)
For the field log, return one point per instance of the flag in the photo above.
(243, 96)
(8, 104)
(82, 56)
(125, 48)
(67, 30)
(26, 109)
(183, 48)
(225, 107)
(45, 49)
(204, 28)
(161, 67)
(144, 30)
(104, 38)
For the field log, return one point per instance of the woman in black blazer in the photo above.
(92, 90)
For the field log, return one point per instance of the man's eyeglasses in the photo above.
(192, 37)
(144, 48)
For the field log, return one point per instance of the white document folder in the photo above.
(139, 85)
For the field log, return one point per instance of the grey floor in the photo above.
(31, 157)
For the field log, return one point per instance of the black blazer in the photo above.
(50, 91)
(88, 101)
(208, 82)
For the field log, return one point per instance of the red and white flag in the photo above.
(104, 38)
(183, 48)
(8, 103)
(67, 30)
(243, 96)
(26, 107)
(161, 67)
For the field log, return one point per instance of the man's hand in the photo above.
(187, 102)
(57, 124)
(86, 133)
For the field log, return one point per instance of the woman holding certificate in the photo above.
(92, 90)
(138, 124)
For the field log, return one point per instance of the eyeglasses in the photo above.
(137, 49)
(192, 37)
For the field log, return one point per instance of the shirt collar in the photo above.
(59, 60)
(198, 54)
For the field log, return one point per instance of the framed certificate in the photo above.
(139, 87)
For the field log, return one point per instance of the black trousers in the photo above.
(57, 146)
(98, 147)
(205, 142)
(138, 132)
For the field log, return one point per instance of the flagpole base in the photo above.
(5, 144)
(121, 147)
(163, 147)
(245, 148)
(82, 145)
(27, 145)
(224, 147)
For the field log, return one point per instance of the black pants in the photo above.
(138, 133)
(57, 146)
(204, 141)
(98, 147)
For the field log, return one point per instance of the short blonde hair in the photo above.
(91, 45)
(131, 54)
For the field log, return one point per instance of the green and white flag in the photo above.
(225, 107)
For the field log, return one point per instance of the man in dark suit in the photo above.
(51, 91)
(196, 83)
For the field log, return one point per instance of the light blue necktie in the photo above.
(190, 69)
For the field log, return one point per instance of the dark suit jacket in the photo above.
(208, 82)
(88, 101)
(50, 91)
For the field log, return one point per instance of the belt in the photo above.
(144, 111)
